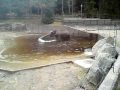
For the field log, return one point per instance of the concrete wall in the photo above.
(111, 80)
(97, 21)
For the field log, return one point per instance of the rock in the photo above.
(105, 61)
(107, 48)
(13, 26)
(111, 80)
(5, 26)
(94, 75)
(88, 52)
(100, 68)
(19, 26)
(79, 88)
(118, 50)
(100, 43)
(105, 54)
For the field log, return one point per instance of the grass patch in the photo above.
(118, 88)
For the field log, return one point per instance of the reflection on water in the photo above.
(27, 48)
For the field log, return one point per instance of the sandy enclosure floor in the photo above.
(59, 51)
(64, 76)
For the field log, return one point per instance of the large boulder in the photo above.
(100, 43)
(100, 68)
(105, 57)
(111, 80)
(107, 48)
(105, 61)
(118, 50)
(105, 54)
(94, 75)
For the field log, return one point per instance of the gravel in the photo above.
(65, 76)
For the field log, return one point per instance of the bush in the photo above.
(3, 12)
(48, 16)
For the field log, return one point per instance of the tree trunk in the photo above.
(63, 7)
(69, 6)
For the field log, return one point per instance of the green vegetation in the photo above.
(118, 89)
(110, 9)
(47, 17)
(91, 8)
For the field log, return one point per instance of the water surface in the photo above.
(27, 52)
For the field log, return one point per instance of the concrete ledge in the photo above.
(111, 79)
(87, 21)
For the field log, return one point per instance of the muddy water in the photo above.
(27, 52)
(27, 47)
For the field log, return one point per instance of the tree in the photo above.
(110, 9)
(47, 17)
(62, 7)
(90, 8)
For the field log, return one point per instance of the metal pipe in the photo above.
(72, 7)
(62, 7)
(81, 9)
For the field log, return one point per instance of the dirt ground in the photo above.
(65, 76)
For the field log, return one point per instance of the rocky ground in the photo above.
(64, 76)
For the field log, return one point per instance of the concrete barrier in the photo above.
(87, 21)
(111, 80)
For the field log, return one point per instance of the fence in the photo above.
(104, 27)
